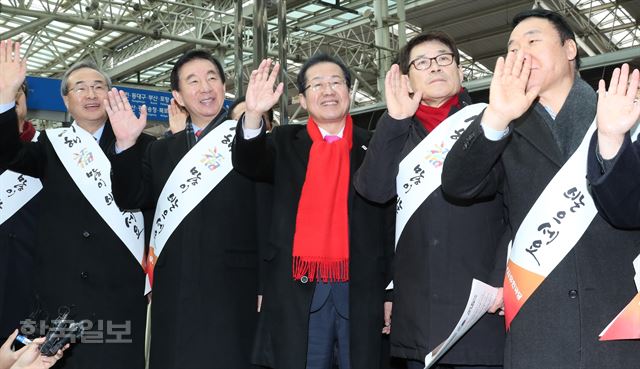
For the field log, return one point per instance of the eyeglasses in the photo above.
(82, 89)
(423, 62)
(334, 85)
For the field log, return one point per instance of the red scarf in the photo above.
(28, 131)
(431, 117)
(321, 239)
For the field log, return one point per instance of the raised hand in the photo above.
(508, 94)
(400, 104)
(13, 70)
(126, 126)
(261, 95)
(177, 117)
(618, 109)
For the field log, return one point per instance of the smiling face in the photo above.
(84, 101)
(329, 103)
(552, 62)
(201, 90)
(437, 83)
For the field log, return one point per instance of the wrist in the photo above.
(494, 120)
(609, 144)
(252, 119)
(7, 98)
(123, 145)
(399, 115)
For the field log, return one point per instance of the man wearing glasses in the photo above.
(81, 261)
(443, 245)
(329, 248)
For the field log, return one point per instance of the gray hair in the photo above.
(64, 86)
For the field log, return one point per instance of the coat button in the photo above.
(573, 294)
(12, 235)
(304, 279)
(86, 234)
(84, 275)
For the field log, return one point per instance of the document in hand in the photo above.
(480, 299)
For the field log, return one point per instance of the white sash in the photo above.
(197, 174)
(16, 190)
(90, 169)
(550, 230)
(420, 172)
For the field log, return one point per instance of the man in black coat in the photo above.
(205, 286)
(81, 264)
(329, 248)
(539, 113)
(445, 244)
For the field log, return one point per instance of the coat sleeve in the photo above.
(472, 169)
(376, 177)
(254, 158)
(22, 157)
(616, 191)
(131, 176)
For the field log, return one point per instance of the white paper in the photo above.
(480, 300)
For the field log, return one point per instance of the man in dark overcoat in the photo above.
(81, 264)
(329, 248)
(205, 281)
(539, 113)
(445, 244)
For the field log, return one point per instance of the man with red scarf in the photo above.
(329, 248)
(444, 244)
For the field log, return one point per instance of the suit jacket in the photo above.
(281, 341)
(444, 245)
(80, 262)
(616, 190)
(558, 326)
(206, 278)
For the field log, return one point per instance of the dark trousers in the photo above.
(411, 364)
(329, 327)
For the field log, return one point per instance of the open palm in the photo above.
(126, 126)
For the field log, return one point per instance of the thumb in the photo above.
(417, 97)
(532, 94)
(9, 340)
(143, 114)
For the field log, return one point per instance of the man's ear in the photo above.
(303, 101)
(570, 49)
(176, 95)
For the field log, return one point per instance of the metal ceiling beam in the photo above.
(465, 19)
(96, 24)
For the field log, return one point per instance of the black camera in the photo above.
(61, 332)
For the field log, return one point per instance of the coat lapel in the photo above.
(108, 139)
(360, 142)
(302, 146)
(177, 147)
(534, 130)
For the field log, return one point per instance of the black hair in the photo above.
(404, 57)
(558, 21)
(301, 80)
(193, 55)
